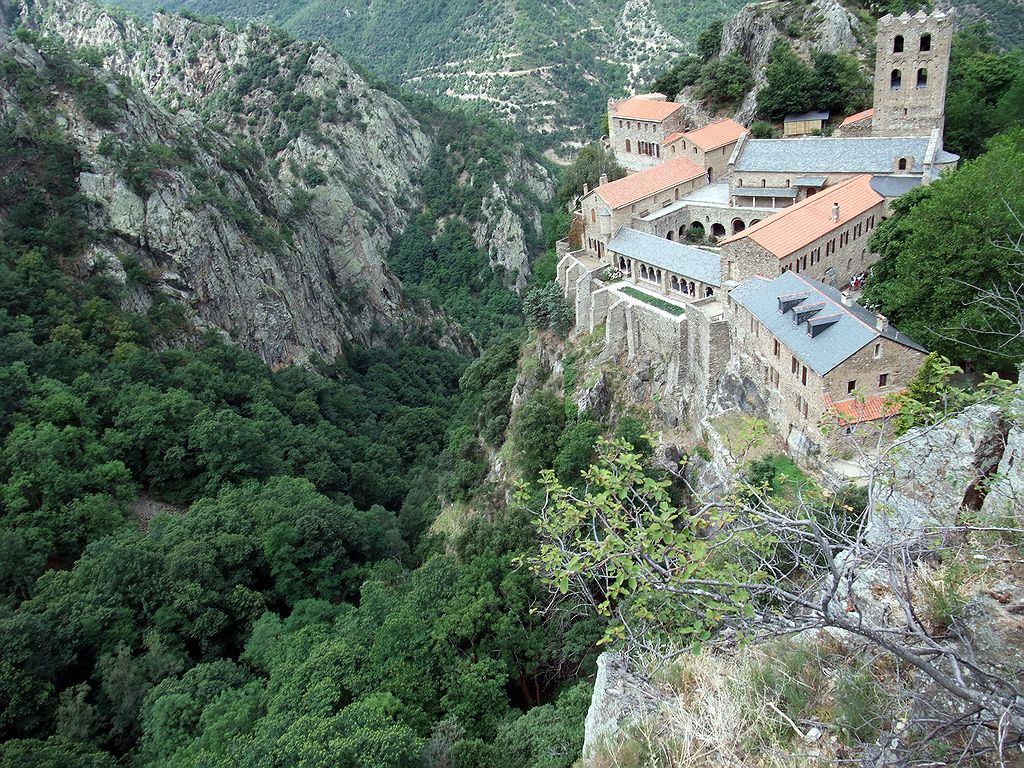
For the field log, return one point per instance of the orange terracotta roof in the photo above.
(800, 225)
(642, 184)
(856, 411)
(858, 117)
(673, 137)
(717, 134)
(638, 108)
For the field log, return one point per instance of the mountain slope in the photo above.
(258, 179)
(548, 65)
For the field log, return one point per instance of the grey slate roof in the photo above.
(809, 181)
(806, 116)
(764, 192)
(835, 342)
(815, 154)
(674, 257)
(894, 186)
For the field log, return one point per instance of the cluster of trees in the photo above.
(832, 81)
(985, 94)
(720, 80)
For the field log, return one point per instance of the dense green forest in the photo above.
(289, 602)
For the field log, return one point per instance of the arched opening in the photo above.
(895, 79)
(897, 44)
(739, 182)
(622, 265)
(693, 288)
(677, 193)
(627, 146)
(922, 77)
(670, 235)
(708, 292)
(698, 230)
(643, 271)
(764, 183)
(593, 215)
(738, 226)
(717, 230)
(902, 165)
(675, 283)
(755, 221)
(926, 42)
(682, 231)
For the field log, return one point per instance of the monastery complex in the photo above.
(762, 311)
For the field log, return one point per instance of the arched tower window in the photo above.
(926, 42)
(895, 81)
(593, 215)
(897, 44)
(922, 77)
(902, 165)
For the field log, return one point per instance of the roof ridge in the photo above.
(842, 307)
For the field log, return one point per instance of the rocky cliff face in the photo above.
(823, 25)
(259, 179)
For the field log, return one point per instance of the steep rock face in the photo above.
(619, 697)
(277, 180)
(935, 473)
(752, 32)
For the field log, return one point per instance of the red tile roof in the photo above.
(651, 181)
(717, 134)
(858, 117)
(676, 136)
(856, 410)
(639, 108)
(800, 225)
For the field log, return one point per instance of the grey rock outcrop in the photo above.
(935, 472)
(620, 697)
(826, 25)
(287, 180)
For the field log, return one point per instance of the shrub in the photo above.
(759, 129)
(725, 80)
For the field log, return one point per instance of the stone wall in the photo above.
(716, 160)
(679, 220)
(896, 360)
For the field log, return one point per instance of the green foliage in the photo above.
(946, 242)
(576, 449)
(833, 82)
(984, 95)
(587, 167)
(683, 72)
(759, 129)
(535, 433)
(603, 545)
(546, 307)
(654, 301)
(860, 712)
(634, 430)
(725, 80)
(710, 39)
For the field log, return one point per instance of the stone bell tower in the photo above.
(911, 69)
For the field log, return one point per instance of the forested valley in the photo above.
(206, 561)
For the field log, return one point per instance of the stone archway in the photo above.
(717, 230)
(738, 226)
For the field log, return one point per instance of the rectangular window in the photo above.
(878, 351)
(850, 386)
(883, 380)
(794, 366)
(775, 347)
(803, 375)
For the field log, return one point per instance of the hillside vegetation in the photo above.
(546, 65)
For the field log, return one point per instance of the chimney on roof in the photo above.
(586, 189)
(847, 299)
(835, 211)
(603, 180)
(881, 322)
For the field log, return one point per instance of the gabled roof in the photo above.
(716, 134)
(805, 116)
(800, 225)
(856, 118)
(674, 136)
(855, 410)
(828, 332)
(640, 108)
(643, 184)
(820, 154)
(675, 257)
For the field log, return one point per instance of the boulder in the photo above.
(935, 472)
(620, 697)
